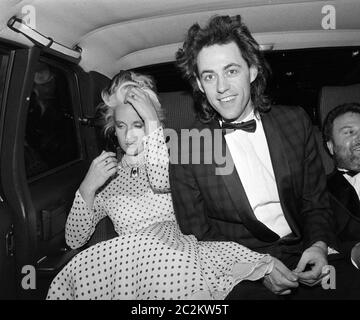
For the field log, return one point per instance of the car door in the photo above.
(45, 155)
(7, 259)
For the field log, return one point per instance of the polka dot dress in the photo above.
(151, 258)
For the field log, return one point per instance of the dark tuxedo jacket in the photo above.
(215, 207)
(346, 207)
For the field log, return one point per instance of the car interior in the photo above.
(55, 59)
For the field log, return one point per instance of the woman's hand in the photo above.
(101, 169)
(144, 106)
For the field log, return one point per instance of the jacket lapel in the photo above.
(239, 199)
(345, 193)
(281, 169)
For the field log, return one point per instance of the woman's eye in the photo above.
(138, 125)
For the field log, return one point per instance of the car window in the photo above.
(298, 75)
(51, 139)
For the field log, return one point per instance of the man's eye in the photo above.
(138, 125)
(232, 72)
(348, 132)
(208, 77)
(120, 125)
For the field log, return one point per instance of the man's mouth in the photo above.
(227, 99)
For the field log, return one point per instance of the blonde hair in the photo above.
(115, 93)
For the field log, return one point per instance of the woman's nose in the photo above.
(130, 136)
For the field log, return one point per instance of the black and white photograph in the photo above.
(198, 153)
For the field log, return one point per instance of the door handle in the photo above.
(9, 242)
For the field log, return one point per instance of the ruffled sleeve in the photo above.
(82, 220)
(232, 263)
(157, 160)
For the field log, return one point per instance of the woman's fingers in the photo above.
(104, 163)
(104, 155)
(110, 165)
(109, 162)
(135, 92)
(138, 97)
(112, 171)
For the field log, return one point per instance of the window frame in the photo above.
(74, 99)
(11, 54)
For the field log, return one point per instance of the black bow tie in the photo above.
(248, 126)
(351, 173)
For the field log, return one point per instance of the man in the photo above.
(341, 133)
(275, 199)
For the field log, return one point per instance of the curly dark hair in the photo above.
(338, 111)
(223, 30)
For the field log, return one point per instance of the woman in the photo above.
(151, 258)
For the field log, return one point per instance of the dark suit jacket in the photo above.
(215, 207)
(346, 206)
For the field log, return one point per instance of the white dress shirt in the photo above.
(251, 156)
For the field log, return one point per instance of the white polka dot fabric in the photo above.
(151, 258)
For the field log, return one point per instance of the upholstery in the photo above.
(332, 96)
(325, 156)
(179, 109)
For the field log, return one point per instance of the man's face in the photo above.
(345, 145)
(225, 78)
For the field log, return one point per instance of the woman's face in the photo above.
(129, 128)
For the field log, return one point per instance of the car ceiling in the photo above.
(124, 34)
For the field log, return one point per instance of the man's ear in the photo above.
(199, 85)
(330, 146)
(253, 73)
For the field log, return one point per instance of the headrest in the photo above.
(331, 97)
(179, 109)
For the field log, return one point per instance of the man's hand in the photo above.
(316, 258)
(280, 280)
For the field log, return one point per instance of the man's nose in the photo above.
(222, 84)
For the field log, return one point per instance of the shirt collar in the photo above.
(345, 171)
(249, 117)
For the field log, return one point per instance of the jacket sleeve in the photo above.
(317, 215)
(189, 205)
